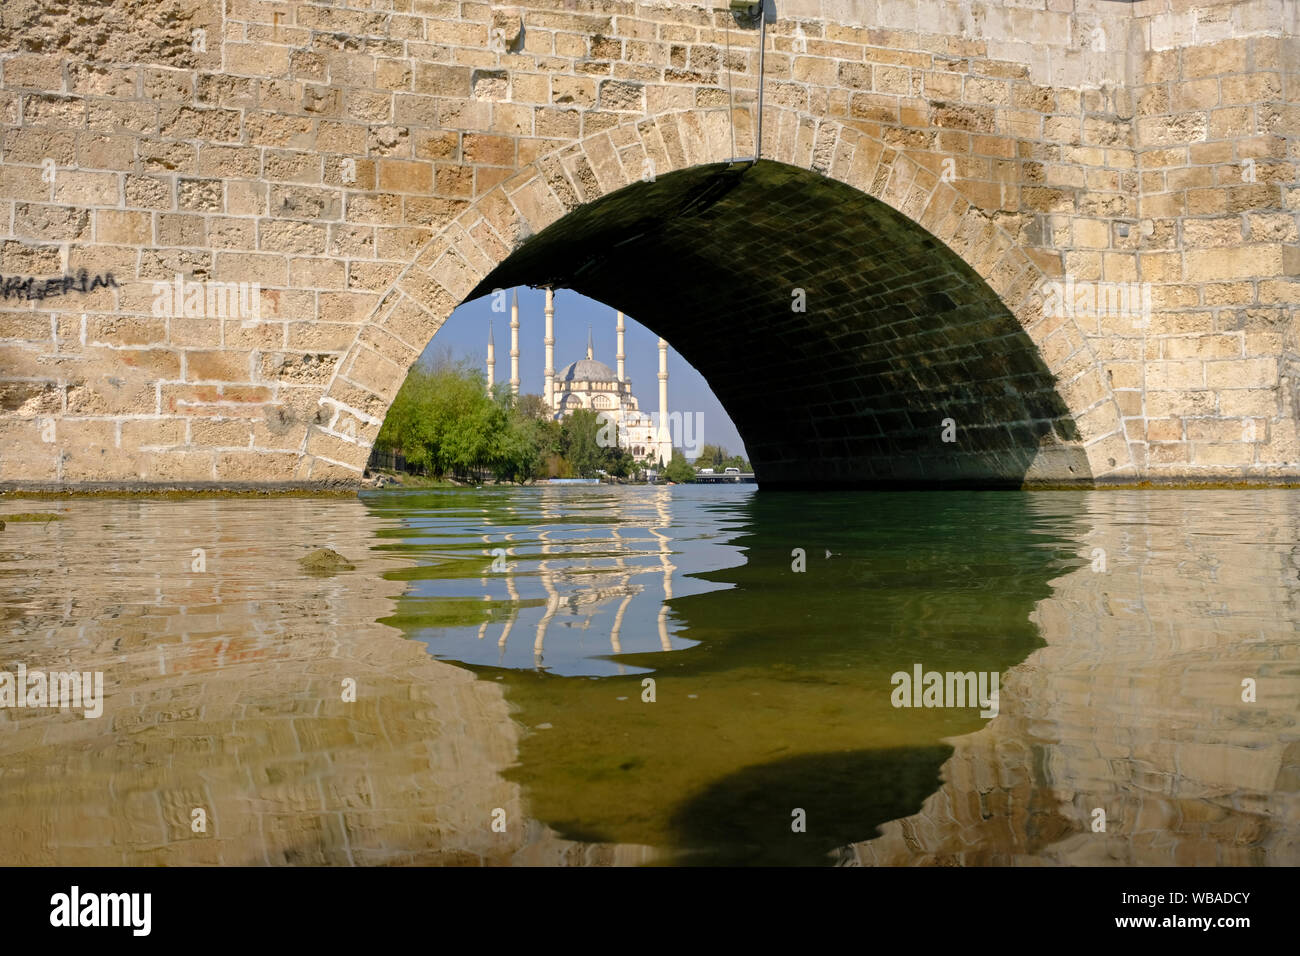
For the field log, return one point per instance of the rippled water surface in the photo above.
(639, 675)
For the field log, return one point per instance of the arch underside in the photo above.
(897, 335)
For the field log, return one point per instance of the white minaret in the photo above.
(665, 437)
(492, 358)
(591, 353)
(514, 343)
(548, 393)
(620, 355)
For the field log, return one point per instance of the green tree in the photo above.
(579, 443)
(532, 406)
(445, 423)
(618, 462)
(711, 456)
(679, 469)
(529, 441)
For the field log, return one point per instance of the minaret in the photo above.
(514, 343)
(591, 353)
(492, 358)
(620, 356)
(548, 393)
(665, 438)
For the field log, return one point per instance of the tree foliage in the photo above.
(679, 469)
(446, 424)
(718, 458)
(711, 456)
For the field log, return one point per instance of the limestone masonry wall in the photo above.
(366, 164)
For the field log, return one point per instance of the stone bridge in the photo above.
(985, 242)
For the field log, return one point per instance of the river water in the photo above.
(593, 674)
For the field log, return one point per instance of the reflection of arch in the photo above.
(1101, 691)
(970, 336)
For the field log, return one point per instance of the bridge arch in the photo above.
(917, 307)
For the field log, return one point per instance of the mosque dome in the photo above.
(587, 370)
(592, 385)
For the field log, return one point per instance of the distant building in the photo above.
(591, 384)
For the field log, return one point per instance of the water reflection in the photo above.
(1080, 601)
(1135, 705)
(569, 577)
(224, 691)
(1123, 625)
(784, 669)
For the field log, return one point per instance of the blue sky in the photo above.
(464, 335)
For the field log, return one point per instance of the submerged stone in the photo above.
(325, 561)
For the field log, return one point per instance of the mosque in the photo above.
(588, 383)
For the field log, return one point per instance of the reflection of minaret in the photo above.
(614, 643)
(514, 604)
(552, 600)
(492, 358)
(665, 439)
(548, 392)
(482, 631)
(620, 356)
(665, 519)
(514, 343)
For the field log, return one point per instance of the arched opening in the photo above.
(849, 345)
(863, 324)
(479, 387)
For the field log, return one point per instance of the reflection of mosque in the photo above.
(588, 383)
(580, 582)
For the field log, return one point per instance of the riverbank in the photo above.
(349, 489)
